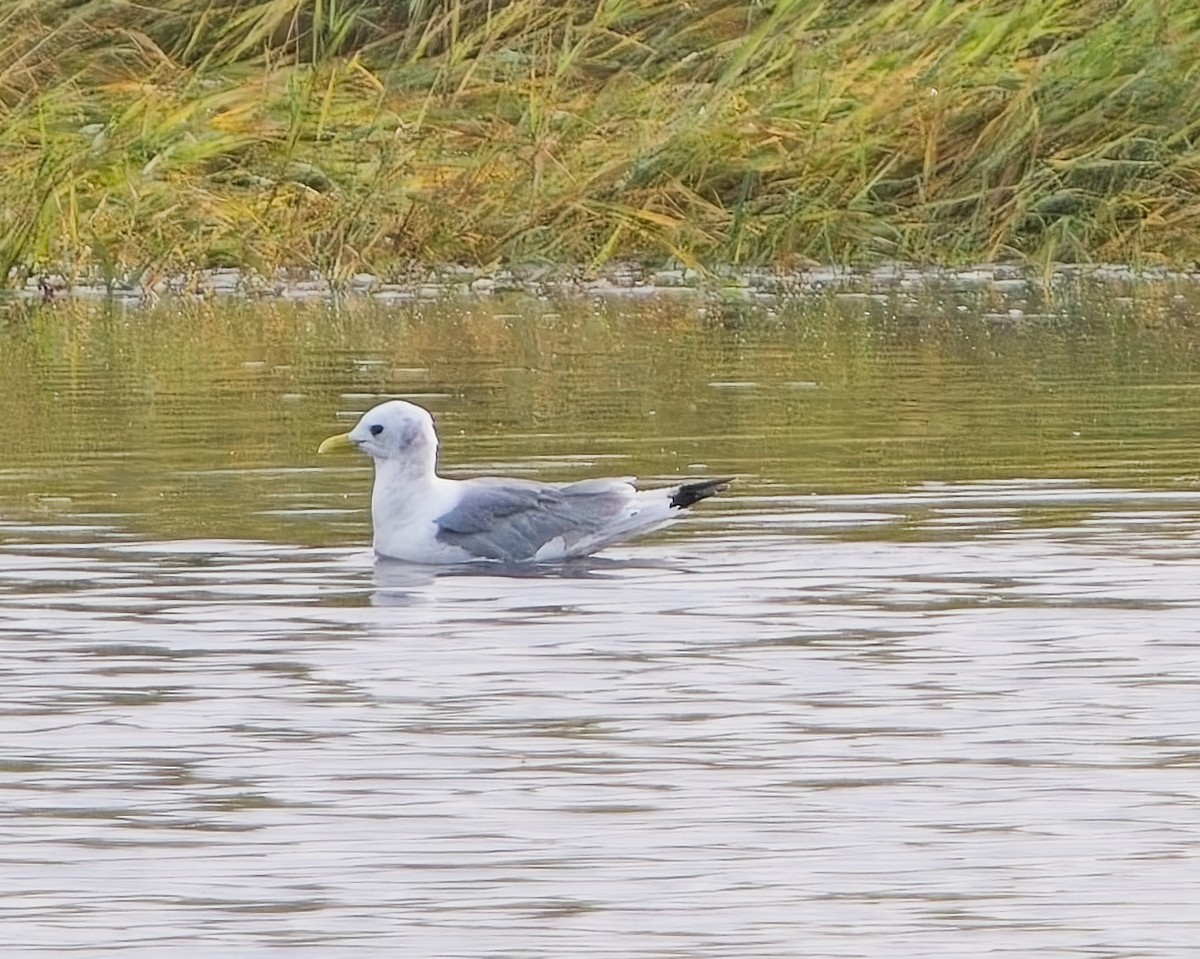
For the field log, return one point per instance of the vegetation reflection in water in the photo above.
(201, 419)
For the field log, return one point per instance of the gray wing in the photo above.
(511, 519)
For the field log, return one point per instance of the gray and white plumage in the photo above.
(421, 517)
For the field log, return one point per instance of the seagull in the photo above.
(420, 517)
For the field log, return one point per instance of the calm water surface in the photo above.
(924, 683)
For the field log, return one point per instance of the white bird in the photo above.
(421, 517)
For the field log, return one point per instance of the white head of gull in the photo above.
(421, 517)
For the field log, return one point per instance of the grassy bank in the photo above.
(351, 135)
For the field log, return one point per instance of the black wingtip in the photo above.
(690, 493)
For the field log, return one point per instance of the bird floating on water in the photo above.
(421, 517)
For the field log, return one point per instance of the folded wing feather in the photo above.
(510, 520)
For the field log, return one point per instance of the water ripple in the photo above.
(896, 725)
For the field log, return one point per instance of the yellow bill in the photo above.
(335, 443)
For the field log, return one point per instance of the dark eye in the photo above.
(376, 429)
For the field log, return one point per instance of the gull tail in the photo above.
(648, 510)
(689, 493)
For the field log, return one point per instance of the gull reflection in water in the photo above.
(405, 584)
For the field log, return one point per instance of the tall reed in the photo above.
(347, 135)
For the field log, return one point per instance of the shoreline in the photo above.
(729, 284)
